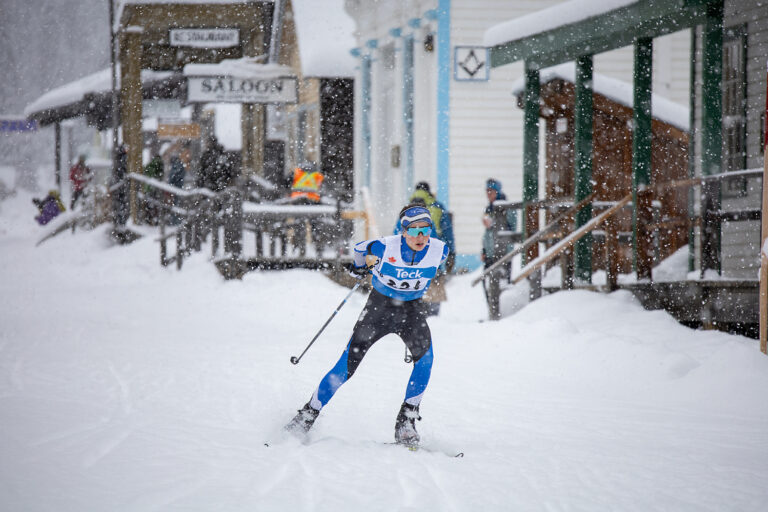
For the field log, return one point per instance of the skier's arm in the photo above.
(367, 254)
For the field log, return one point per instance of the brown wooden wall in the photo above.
(612, 164)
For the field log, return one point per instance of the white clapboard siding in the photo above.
(486, 124)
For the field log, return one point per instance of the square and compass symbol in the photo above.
(471, 63)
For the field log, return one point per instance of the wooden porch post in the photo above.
(583, 116)
(253, 136)
(57, 157)
(130, 105)
(253, 115)
(642, 194)
(712, 135)
(531, 168)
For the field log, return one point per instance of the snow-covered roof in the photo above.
(73, 92)
(325, 35)
(616, 90)
(247, 67)
(558, 15)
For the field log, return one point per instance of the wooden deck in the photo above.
(727, 305)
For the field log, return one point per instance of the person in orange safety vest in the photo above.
(306, 183)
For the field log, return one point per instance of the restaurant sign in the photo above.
(228, 89)
(205, 37)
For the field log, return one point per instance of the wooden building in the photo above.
(159, 41)
(612, 158)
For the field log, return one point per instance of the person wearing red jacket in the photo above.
(79, 175)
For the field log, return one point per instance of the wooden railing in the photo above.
(281, 231)
(562, 235)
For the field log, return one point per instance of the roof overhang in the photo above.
(91, 97)
(600, 33)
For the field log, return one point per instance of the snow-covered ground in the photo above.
(125, 386)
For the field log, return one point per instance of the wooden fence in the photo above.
(282, 234)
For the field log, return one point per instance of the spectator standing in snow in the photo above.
(493, 250)
(154, 169)
(80, 176)
(216, 169)
(306, 184)
(305, 189)
(50, 206)
(402, 267)
(179, 165)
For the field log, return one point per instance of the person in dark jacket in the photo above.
(179, 164)
(493, 249)
(118, 188)
(216, 168)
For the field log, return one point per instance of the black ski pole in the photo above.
(294, 359)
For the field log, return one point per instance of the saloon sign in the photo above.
(227, 89)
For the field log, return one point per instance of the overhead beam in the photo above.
(614, 29)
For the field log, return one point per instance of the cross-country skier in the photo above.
(402, 267)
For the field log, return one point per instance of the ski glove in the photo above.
(358, 272)
(361, 272)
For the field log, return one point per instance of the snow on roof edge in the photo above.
(553, 17)
(72, 92)
(246, 67)
(617, 90)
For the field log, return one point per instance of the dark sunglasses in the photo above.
(426, 230)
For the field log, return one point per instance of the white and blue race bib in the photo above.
(395, 278)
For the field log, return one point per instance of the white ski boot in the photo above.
(303, 421)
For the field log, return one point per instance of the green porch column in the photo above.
(531, 156)
(531, 171)
(712, 136)
(642, 195)
(692, 97)
(583, 115)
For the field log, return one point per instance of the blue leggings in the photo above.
(382, 316)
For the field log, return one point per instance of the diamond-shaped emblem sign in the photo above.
(471, 63)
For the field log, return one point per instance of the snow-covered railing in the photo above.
(281, 231)
(166, 187)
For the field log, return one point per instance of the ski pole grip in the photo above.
(294, 360)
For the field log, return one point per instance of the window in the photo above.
(734, 108)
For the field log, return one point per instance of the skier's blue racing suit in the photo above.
(399, 280)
